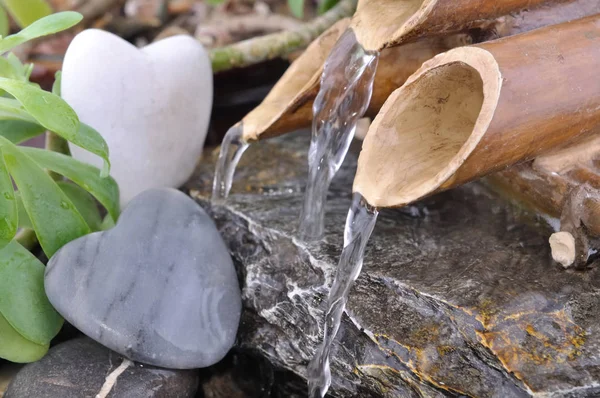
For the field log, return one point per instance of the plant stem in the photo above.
(27, 238)
(263, 48)
(56, 143)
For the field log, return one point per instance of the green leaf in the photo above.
(23, 301)
(107, 223)
(105, 190)
(9, 218)
(18, 131)
(48, 109)
(26, 12)
(326, 5)
(56, 84)
(54, 114)
(24, 221)
(11, 109)
(4, 23)
(84, 202)
(91, 140)
(46, 26)
(297, 8)
(20, 69)
(28, 72)
(55, 219)
(8, 70)
(16, 348)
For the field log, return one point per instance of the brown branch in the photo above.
(259, 49)
(224, 31)
(95, 9)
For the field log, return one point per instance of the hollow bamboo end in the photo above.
(289, 104)
(428, 128)
(377, 28)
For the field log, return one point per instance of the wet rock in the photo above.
(159, 288)
(243, 374)
(78, 369)
(458, 295)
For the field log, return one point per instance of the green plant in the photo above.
(57, 209)
(26, 12)
(297, 7)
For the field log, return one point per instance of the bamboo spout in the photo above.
(288, 106)
(479, 109)
(379, 24)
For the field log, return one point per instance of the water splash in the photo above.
(346, 88)
(359, 226)
(232, 149)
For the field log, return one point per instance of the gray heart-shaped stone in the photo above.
(159, 288)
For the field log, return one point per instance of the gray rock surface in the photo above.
(159, 288)
(78, 368)
(458, 295)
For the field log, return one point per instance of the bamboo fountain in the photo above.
(288, 105)
(464, 114)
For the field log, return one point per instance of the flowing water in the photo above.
(232, 149)
(359, 226)
(346, 88)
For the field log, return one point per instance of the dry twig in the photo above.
(95, 9)
(224, 31)
(252, 51)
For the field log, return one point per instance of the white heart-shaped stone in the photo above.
(151, 105)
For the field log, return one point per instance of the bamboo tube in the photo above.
(288, 106)
(380, 24)
(475, 110)
(288, 97)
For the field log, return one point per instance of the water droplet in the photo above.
(9, 195)
(65, 205)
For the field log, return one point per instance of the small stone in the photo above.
(159, 288)
(78, 368)
(151, 105)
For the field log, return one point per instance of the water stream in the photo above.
(346, 88)
(232, 149)
(359, 226)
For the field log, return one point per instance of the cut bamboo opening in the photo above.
(479, 109)
(288, 106)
